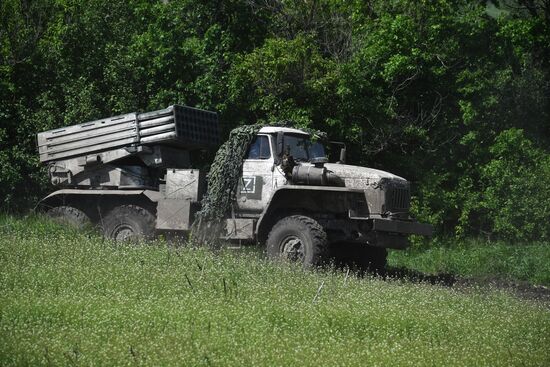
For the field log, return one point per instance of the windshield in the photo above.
(302, 148)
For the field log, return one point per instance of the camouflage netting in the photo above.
(223, 180)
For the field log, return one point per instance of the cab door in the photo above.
(256, 184)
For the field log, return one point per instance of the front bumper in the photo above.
(379, 232)
(391, 233)
(401, 227)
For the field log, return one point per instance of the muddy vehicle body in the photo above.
(133, 176)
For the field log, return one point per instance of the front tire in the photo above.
(298, 238)
(129, 223)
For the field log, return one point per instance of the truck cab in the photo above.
(261, 172)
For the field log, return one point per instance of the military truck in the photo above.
(133, 177)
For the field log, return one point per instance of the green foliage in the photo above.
(515, 187)
(507, 195)
(71, 298)
(428, 90)
(284, 80)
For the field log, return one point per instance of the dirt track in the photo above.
(520, 289)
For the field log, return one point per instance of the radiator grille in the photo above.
(398, 199)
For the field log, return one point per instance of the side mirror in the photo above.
(343, 153)
(334, 145)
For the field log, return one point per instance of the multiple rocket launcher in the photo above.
(120, 151)
(178, 126)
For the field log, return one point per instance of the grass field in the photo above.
(477, 258)
(68, 298)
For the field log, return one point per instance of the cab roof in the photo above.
(276, 129)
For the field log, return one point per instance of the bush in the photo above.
(515, 190)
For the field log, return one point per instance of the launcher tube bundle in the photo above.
(103, 152)
(180, 126)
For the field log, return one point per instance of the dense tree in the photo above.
(452, 94)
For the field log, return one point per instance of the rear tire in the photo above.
(71, 216)
(298, 239)
(130, 223)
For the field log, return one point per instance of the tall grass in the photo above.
(71, 298)
(479, 258)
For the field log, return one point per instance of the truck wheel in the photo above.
(299, 239)
(129, 223)
(70, 215)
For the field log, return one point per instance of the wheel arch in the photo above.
(306, 200)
